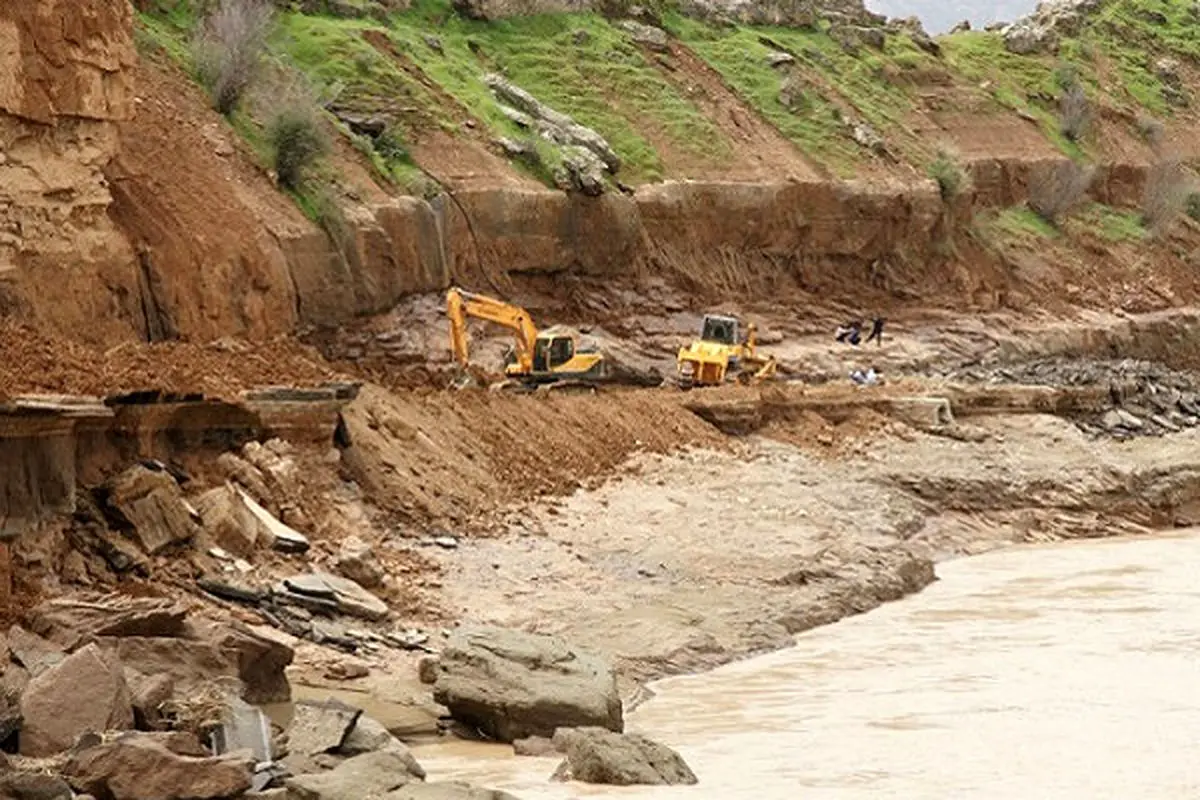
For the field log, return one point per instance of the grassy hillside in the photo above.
(863, 102)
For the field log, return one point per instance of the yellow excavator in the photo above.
(719, 353)
(552, 357)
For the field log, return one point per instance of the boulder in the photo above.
(228, 521)
(24, 785)
(651, 37)
(597, 755)
(73, 621)
(259, 656)
(511, 685)
(85, 692)
(350, 598)
(1041, 31)
(357, 561)
(320, 727)
(370, 775)
(370, 736)
(148, 694)
(140, 767)
(237, 469)
(152, 504)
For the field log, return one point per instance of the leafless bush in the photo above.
(229, 47)
(1074, 112)
(1151, 130)
(948, 171)
(1165, 194)
(1055, 189)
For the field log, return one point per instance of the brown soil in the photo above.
(33, 361)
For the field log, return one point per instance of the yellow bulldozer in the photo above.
(557, 357)
(720, 354)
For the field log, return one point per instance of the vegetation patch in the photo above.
(1111, 224)
(1015, 222)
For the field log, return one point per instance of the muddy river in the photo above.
(1065, 671)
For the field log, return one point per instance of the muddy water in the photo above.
(1068, 671)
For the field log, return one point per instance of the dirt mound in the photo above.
(33, 361)
(451, 456)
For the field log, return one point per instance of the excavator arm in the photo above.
(462, 305)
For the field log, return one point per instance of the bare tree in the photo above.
(229, 47)
(1056, 189)
(1074, 112)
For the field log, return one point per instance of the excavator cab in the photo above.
(551, 351)
(721, 330)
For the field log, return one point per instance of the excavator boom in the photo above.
(460, 305)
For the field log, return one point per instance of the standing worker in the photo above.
(876, 331)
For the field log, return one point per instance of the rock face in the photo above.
(139, 767)
(597, 755)
(84, 692)
(1040, 31)
(152, 504)
(511, 685)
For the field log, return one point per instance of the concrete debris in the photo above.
(349, 597)
(228, 521)
(282, 537)
(140, 767)
(598, 755)
(152, 504)
(85, 692)
(511, 685)
(320, 727)
(245, 727)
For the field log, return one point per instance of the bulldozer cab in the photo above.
(721, 330)
(551, 351)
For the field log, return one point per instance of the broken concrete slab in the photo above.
(320, 727)
(281, 536)
(152, 504)
(227, 521)
(351, 598)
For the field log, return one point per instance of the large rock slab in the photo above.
(259, 656)
(369, 736)
(85, 692)
(371, 775)
(73, 621)
(228, 521)
(511, 685)
(152, 504)
(139, 767)
(597, 755)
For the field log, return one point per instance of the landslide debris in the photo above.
(1144, 398)
(37, 361)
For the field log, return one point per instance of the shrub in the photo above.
(229, 47)
(949, 174)
(1074, 113)
(297, 141)
(1192, 206)
(1055, 189)
(1165, 194)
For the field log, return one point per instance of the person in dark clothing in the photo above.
(850, 332)
(876, 331)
